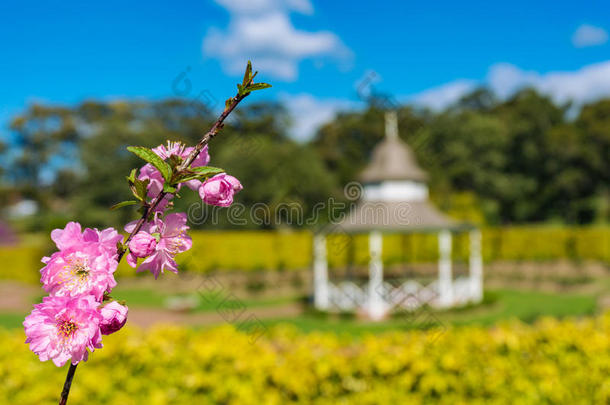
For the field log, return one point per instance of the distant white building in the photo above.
(23, 208)
(395, 200)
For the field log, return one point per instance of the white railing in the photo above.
(410, 295)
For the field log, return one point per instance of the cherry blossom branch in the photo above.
(244, 91)
(67, 384)
(216, 127)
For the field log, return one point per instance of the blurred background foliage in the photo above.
(522, 160)
(539, 364)
(292, 251)
(533, 174)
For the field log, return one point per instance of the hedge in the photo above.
(21, 262)
(550, 362)
(264, 250)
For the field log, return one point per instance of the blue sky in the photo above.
(313, 52)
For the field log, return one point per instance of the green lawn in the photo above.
(207, 302)
(498, 305)
(10, 321)
(524, 305)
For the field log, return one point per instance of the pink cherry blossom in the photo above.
(219, 190)
(142, 244)
(114, 316)
(155, 186)
(179, 149)
(63, 328)
(156, 181)
(172, 240)
(80, 269)
(71, 236)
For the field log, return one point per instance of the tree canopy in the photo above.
(524, 159)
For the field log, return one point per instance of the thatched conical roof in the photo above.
(392, 159)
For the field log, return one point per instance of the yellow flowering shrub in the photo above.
(285, 250)
(21, 263)
(264, 250)
(550, 362)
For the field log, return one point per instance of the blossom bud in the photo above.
(142, 244)
(219, 190)
(114, 316)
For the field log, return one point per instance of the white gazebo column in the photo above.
(320, 272)
(475, 266)
(445, 278)
(376, 305)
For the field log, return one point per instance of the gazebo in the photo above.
(395, 200)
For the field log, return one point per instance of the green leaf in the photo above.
(204, 172)
(193, 176)
(207, 170)
(132, 176)
(189, 177)
(123, 204)
(258, 86)
(200, 173)
(151, 157)
(141, 189)
(121, 247)
(228, 103)
(247, 84)
(247, 74)
(168, 189)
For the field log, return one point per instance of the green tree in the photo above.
(346, 143)
(528, 116)
(467, 151)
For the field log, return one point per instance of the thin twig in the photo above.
(216, 127)
(68, 384)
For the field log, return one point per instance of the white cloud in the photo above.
(438, 98)
(589, 35)
(265, 6)
(309, 113)
(587, 84)
(261, 30)
(505, 79)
